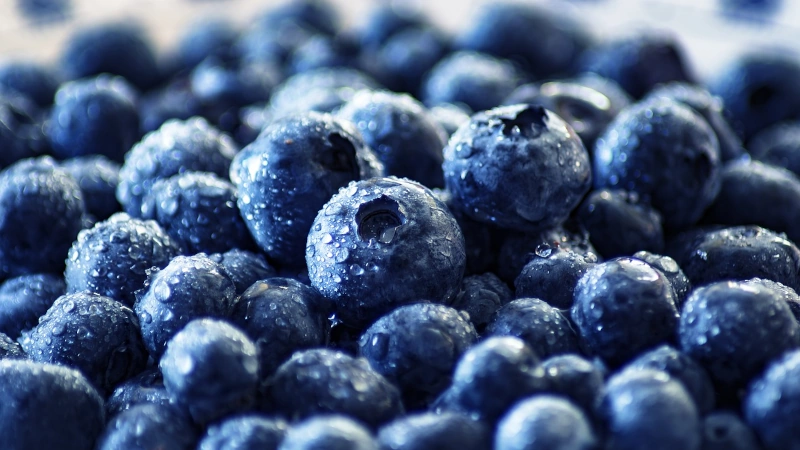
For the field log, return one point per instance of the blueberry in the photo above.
(576, 379)
(247, 432)
(622, 307)
(212, 37)
(91, 333)
(750, 193)
(544, 328)
(786, 293)
(648, 409)
(545, 421)
(322, 381)
(96, 49)
(244, 268)
(320, 15)
(271, 44)
(519, 152)
(404, 136)
(386, 20)
(97, 177)
(211, 369)
(175, 100)
(189, 287)
(778, 145)
(319, 52)
(34, 81)
(491, 376)
(711, 108)
(289, 172)
(737, 253)
(145, 388)
(47, 406)
(734, 329)
(449, 116)
(416, 347)
(10, 349)
(480, 241)
(407, 56)
(609, 88)
(480, 296)
(682, 368)
(638, 62)
(113, 257)
(725, 430)
(382, 243)
(669, 267)
(22, 134)
(176, 147)
(24, 299)
(430, 431)
(322, 90)
(549, 46)
(41, 208)
(551, 274)
(772, 402)
(281, 316)
(146, 427)
(329, 432)
(758, 90)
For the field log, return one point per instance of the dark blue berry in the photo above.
(97, 177)
(772, 402)
(669, 267)
(725, 430)
(148, 426)
(386, 20)
(544, 328)
(576, 379)
(26, 298)
(322, 90)
(172, 101)
(430, 431)
(320, 15)
(480, 297)
(22, 134)
(244, 268)
(320, 52)
(329, 432)
(551, 274)
(211, 37)
(545, 421)
(145, 388)
(786, 293)
(34, 81)
(779, 146)
(248, 432)
(407, 56)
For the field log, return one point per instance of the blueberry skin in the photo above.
(711, 108)
(322, 90)
(47, 406)
(449, 116)
(281, 316)
(725, 430)
(664, 152)
(480, 241)
(750, 193)
(431, 431)
(98, 178)
(248, 432)
(34, 81)
(544, 328)
(480, 297)
(94, 50)
(405, 137)
(786, 293)
(670, 268)
(477, 80)
(408, 247)
(682, 368)
(416, 347)
(22, 134)
(575, 378)
(408, 55)
(176, 147)
(322, 381)
(26, 298)
(97, 116)
(211, 369)
(291, 170)
(758, 90)
(10, 349)
(41, 208)
(189, 287)
(622, 307)
(778, 145)
(145, 388)
(329, 432)
(551, 274)
(545, 421)
(520, 152)
(148, 426)
(772, 401)
(648, 409)
(491, 376)
(91, 333)
(638, 62)
(737, 253)
(732, 346)
(244, 268)
(113, 257)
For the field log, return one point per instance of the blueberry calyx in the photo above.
(528, 122)
(379, 219)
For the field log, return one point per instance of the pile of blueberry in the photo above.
(297, 236)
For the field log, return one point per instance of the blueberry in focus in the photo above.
(26, 298)
(404, 136)
(246, 432)
(551, 274)
(408, 248)
(544, 328)
(41, 211)
(244, 268)
(431, 431)
(113, 257)
(289, 172)
(321, 381)
(10, 349)
(97, 177)
(416, 347)
(189, 287)
(322, 90)
(725, 430)
(480, 296)
(778, 145)
(669, 267)
(622, 307)
(545, 421)
(34, 81)
(147, 387)
(148, 426)
(735, 329)
(575, 378)
(329, 432)
(519, 167)
(47, 406)
(772, 400)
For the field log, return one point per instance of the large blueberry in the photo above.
(669, 267)
(480, 296)
(329, 432)
(778, 145)
(545, 421)
(544, 328)
(245, 432)
(148, 426)
(551, 274)
(245, 268)
(575, 378)
(322, 90)
(26, 298)
(772, 402)
(145, 388)
(431, 431)
(36, 82)
(407, 56)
